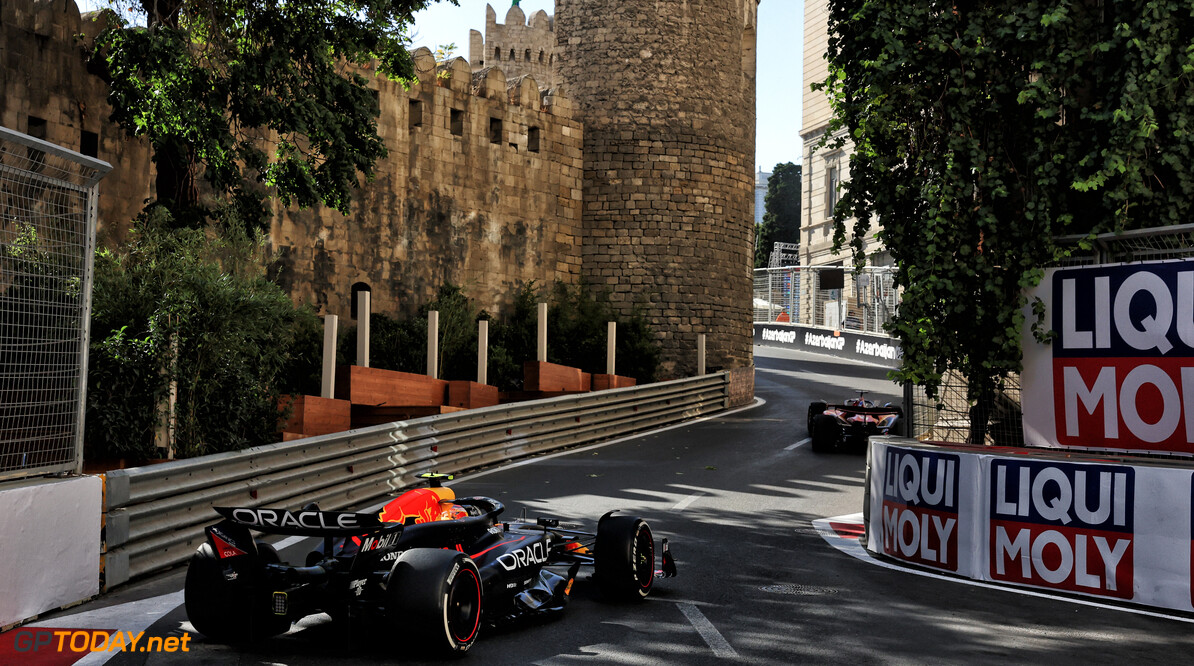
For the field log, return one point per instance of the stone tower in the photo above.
(666, 93)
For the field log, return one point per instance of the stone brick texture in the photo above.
(666, 93)
(630, 164)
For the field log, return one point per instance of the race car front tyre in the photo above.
(814, 410)
(433, 599)
(825, 433)
(229, 611)
(624, 558)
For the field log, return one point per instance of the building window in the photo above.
(416, 113)
(833, 179)
(37, 127)
(533, 139)
(497, 53)
(456, 122)
(89, 143)
(527, 55)
(37, 130)
(511, 54)
(540, 57)
(495, 130)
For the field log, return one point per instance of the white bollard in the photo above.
(701, 355)
(331, 325)
(611, 345)
(433, 344)
(483, 351)
(543, 332)
(363, 329)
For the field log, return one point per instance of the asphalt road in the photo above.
(737, 496)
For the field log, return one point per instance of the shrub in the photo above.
(193, 307)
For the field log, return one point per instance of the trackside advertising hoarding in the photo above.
(1095, 528)
(878, 349)
(1119, 376)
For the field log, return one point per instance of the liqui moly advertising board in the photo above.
(919, 508)
(1119, 375)
(1062, 525)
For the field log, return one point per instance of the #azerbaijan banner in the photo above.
(1119, 375)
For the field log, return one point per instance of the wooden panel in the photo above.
(603, 382)
(470, 395)
(313, 415)
(372, 386)
(549, 377)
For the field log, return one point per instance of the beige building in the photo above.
(824, 168)
(520, 47)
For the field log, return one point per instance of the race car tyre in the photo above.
(815, 409)
(228, 611)
(897, 427)
(824, 433)
(433, 599)
(624, 558)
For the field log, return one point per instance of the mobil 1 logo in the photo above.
(1062, 525)
(920, 507)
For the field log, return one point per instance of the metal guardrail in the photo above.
(154, 516)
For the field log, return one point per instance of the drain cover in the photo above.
(790, 588)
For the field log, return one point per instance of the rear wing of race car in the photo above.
(302, 523)
(230, 538)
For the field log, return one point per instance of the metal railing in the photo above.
(827, 296)
(47, 241)
(948, 418)
(155, 515)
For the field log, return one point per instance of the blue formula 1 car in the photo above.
(431, 569)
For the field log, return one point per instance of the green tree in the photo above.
(981, 132)
(253, 95)
(781, 221)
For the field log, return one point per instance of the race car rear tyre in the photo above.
(897, 427)
(229, 611)
(433, 599)
(814, 410)
(824, 433)
(624, 558)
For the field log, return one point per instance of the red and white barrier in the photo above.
(1037, 519)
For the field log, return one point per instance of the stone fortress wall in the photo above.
(520, 47)
(629, 163)
(666, 92)
(481, 186)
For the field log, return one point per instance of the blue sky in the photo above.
(781, 39)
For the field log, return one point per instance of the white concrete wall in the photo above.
(49, 545)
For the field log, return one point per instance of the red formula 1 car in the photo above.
(431, 569)
(832, 426)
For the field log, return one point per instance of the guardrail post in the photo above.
(542, 348)
(611, 345)
(433, 344)
(331, 324)
(909, 410)
(363, 329)
(701, 355)
(483, 351)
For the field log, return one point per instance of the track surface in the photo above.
(757, 583)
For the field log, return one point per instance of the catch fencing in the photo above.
(827, 296)
(948, 418)
(47, 241)
(155, 515)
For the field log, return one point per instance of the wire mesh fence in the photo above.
(948, 419)
(47, 236)
(826, 296)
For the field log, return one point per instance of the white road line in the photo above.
(720, 646)
(799, 444)
(852, 548)
(684, 503)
